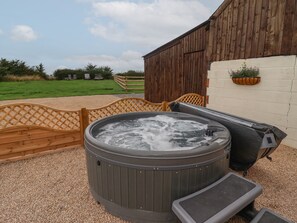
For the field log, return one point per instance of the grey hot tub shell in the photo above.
(141, 185)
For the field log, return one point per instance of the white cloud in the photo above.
(1, 32)
(23, 33)
(61, 67)
(140, 22)
(128, 60)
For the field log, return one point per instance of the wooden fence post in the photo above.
(84, 122)
(164, 105)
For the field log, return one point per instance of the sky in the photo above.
(72, 33)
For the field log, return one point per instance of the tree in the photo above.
(61, 74)
(93, 70)
(3, 72)
(3, 68)
(90, 67)
(19, 68)
(106, 72)
(14, 67)
(39, 69)
(132, 73)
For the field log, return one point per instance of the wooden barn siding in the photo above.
(254, 28)
(177, 70)
(195, 72)
(168, 80)
(239, 29)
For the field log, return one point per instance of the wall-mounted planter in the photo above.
(246, 80)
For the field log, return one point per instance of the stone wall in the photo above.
(272, 101)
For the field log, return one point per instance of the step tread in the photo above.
(268, 216)
(219, 201)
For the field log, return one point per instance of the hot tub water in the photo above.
(157, 133)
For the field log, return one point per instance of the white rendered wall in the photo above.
(272, 101)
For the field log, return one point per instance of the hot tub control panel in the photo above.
(268, 141)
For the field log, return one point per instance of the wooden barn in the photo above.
(238, 29)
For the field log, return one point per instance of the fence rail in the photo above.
(130, 82)
(27, 130)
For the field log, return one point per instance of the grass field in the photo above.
(45, 89)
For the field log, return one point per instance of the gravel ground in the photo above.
(130, 95)
(69, 103)
(54, 188)
(75, 102)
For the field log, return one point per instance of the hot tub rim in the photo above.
(202, 149)
(150, 164)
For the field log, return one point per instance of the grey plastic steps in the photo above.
(268, 216)
(217, 202)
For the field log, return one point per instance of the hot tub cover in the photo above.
(251, 140)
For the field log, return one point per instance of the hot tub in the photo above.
(137, 181)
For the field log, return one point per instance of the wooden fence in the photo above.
(27, 130)
(130, 82)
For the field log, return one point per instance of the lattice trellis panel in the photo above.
(122, 106)
(139, 105)
(192, 98)
(38, 115)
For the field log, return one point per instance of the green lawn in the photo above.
(44, 89)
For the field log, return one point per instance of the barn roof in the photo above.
(176, 40)
(219, 10)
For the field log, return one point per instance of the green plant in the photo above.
(244, 71)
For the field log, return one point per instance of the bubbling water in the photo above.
(157, 133)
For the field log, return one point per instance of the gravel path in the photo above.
(54, 188)
(75, 102)
(69, 103)
(130, 95)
